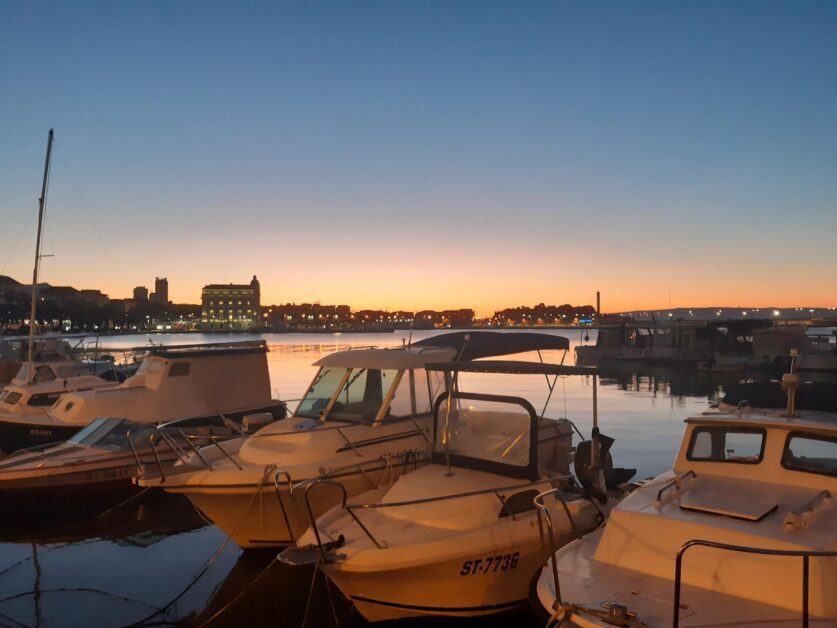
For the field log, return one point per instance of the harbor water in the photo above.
(154, 560)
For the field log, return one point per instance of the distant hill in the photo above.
(8, 282)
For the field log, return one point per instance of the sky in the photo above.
(411, 155)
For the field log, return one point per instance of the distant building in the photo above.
(428, 319)
(231, 306)
(59, 295)
(140, 293)
(307, 316)
(160, 296)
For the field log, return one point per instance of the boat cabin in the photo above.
(366, 386)
(51, 371)
(752, 478)
(675, 342)
(179, 382)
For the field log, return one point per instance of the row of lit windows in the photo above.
(230, 311)
(226, 293)
(213, 318)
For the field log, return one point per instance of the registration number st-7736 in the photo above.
(490, 564)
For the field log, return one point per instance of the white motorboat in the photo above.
(742, 531)
(93, 469)
(460, 536)
(31, 395)
(172, 383)
(366, 418)
(15, 349)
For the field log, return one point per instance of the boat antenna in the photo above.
(594, 450)
(410, 337)
(41, 208)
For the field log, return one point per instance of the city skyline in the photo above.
(440, 155)
(140, 294)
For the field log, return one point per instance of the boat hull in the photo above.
(15, 436)
(464, 585)
(264, 515)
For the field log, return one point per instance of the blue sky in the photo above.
(427, 154)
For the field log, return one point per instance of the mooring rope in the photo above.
(211, 560)
(238, 596)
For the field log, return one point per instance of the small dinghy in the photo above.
(460, 536)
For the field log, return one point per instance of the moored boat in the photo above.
(93, 469)
(365, 419)
(460, 537)
(742, 531)
(172, 383)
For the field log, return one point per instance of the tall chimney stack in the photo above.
(598, 303)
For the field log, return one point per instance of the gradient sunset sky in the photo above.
(427, 154)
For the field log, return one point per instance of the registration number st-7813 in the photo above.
(490, 564)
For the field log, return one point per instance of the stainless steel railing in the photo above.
(350, 508)
(548, 540)
(804, 554)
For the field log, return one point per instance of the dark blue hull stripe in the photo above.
(443, 609)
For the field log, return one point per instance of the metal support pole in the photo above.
(41, 207)
(805, 591)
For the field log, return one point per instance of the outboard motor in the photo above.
(591, 478)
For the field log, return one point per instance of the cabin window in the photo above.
(320, 393)
(43, 374)
(178, 369)
(69, 406)
(12, 398)
(362, 395)
(435, 385)
(727, 444)
(484, 429)
(404, 405)
(42, 400)
(402, 400)
(811, 453)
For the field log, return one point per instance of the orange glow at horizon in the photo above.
(439, 285)
(426, 270)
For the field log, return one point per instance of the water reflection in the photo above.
(154, 560)
(137, 564)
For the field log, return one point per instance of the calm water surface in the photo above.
(154, 561)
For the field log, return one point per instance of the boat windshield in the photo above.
(320, 392)
(111, 434)
(362, 395)
(482, 432)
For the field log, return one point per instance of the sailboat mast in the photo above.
(41, 206)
